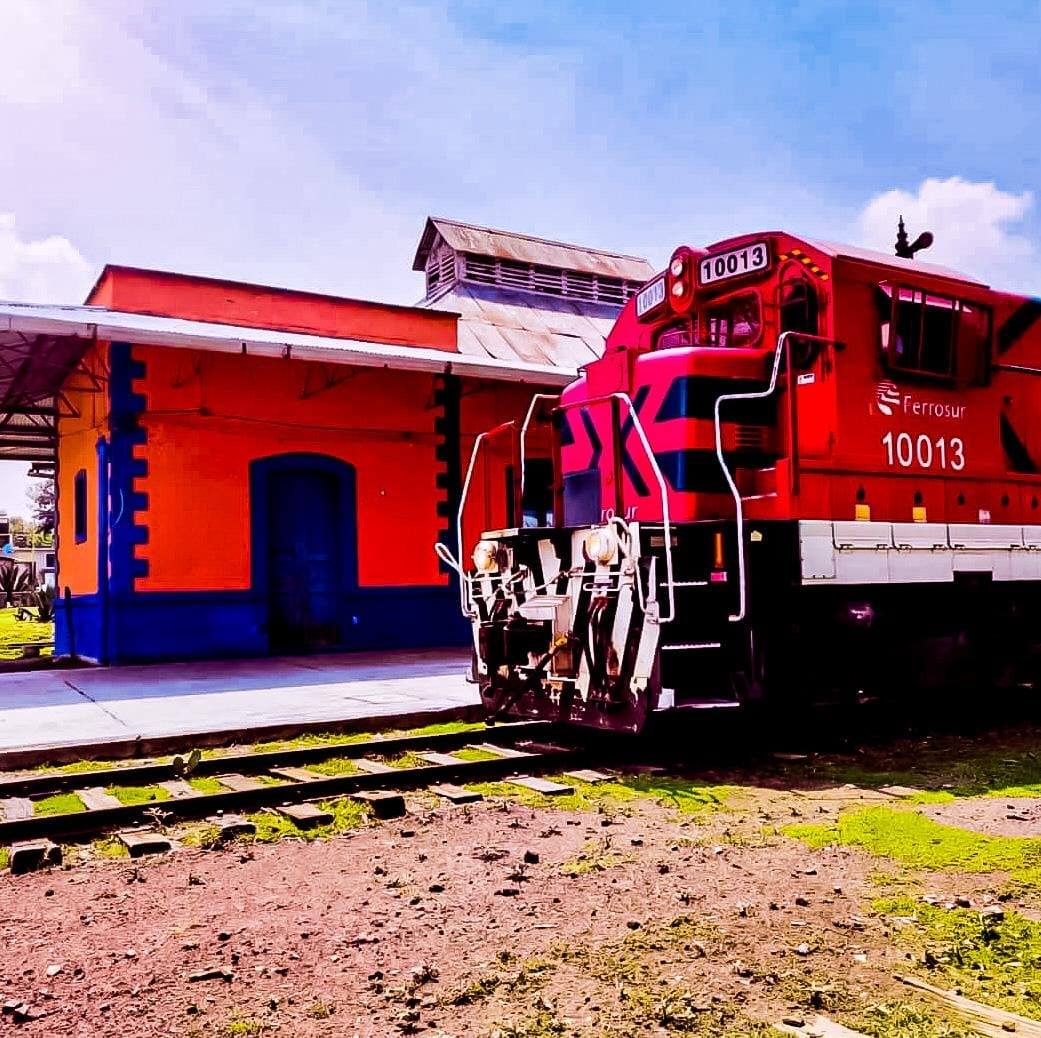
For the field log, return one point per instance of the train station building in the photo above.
(245, 470)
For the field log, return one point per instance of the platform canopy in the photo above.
(42, 349)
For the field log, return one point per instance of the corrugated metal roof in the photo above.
(497, 322)
(84, 323)
(486, 241)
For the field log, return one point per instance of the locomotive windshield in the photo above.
(735, 322)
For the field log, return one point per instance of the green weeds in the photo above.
(911, 838)
(995, 961)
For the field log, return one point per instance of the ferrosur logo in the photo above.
(891, 400)
(887, 398)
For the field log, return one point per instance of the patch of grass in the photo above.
(948, 768)
(320, 1010)
(682, 794)
(529, 975)
(334, 766)
(350, 738)
(995, 962)
(201, 836)
(5, 858)
(207, 785)
(596, 856)
(347, 815)
(472, 753)
(543, 1024)
(408, 759)
(14, 633)
(903, 1020)
(132, 795)
(243, 1026)
(110, 847)
(59, 804)
(915, 840)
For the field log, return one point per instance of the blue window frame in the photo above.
(79, 495)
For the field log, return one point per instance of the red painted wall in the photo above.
(209, 415)
(257, 306)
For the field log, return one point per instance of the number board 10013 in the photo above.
(734, 263)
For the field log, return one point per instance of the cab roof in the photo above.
(856, 254)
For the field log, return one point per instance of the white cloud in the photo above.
(978, 229)
(47, 270)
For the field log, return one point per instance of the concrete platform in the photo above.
(120, 706)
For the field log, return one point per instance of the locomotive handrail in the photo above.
(464, 579)
(761, 394)
(524, 433)
(659, 478)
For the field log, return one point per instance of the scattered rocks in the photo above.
(213, 973)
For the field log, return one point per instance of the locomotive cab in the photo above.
(788, 453)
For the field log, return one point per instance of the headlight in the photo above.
(676, 266)
(600, 546)
(486, 556)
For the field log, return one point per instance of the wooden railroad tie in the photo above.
(372, 767)
(146, 841)
(96, 799)
(502, 751)
(456, 794)
(241, 783)
(540, 785)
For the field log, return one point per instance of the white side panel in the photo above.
(818, 552)
(910, 553)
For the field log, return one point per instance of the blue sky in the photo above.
(302, 142)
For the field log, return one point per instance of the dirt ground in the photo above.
(507, 920)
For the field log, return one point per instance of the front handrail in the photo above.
(659, 479)
(760, 394)
(464, 578)
(535, 400)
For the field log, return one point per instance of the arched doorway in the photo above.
(304, 549)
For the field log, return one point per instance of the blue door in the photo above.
(305, 564)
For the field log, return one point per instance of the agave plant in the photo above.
(14, 580)
(43, 599)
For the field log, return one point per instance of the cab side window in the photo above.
(799, 307)
(932, 336)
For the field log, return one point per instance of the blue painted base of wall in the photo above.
(147, 627)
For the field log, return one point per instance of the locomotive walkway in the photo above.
(149, 708)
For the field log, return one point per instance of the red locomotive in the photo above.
(799, 470)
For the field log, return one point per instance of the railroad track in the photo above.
(278, 780)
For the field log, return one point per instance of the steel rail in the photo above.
(84, 823)
(254, 763)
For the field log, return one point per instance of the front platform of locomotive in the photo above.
(626, 604)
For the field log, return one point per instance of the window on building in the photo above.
(733, 323)
(933, 336)
(79, 495)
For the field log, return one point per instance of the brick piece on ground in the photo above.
(231, 826)
(292, 774)
(385, 803)
(240, 783)
(501, 751)
(179, 789)
(456, 794)
(541, 785)
(587, 775)
(372, 767)
(433, 757)
(96, 799)
(16, 809)
(29, 855)
(144, 841)
(306, 816)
